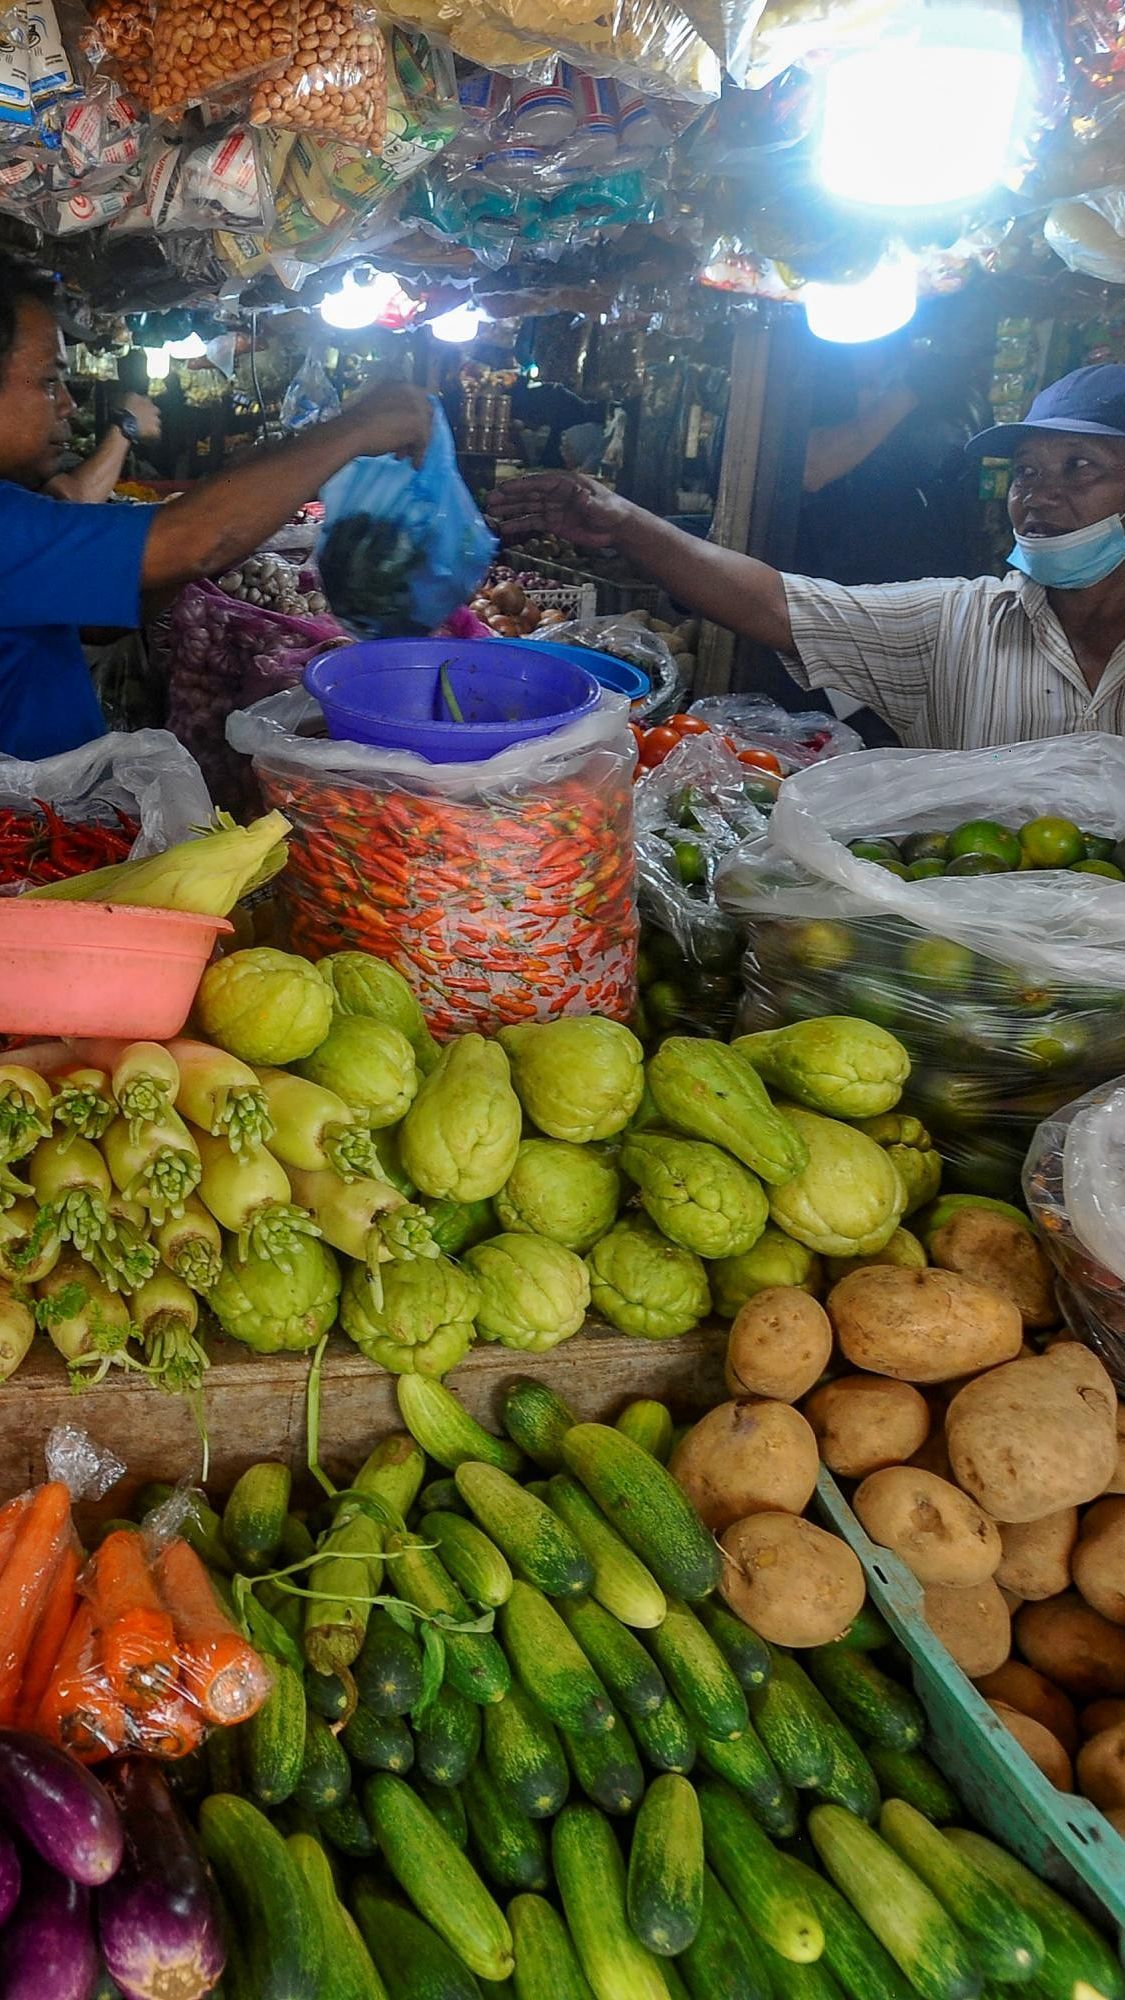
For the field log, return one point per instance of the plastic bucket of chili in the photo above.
(100, 968)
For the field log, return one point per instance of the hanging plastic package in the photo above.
(17, 114)
(1074, 1186)
(310, 397)
(403, 545)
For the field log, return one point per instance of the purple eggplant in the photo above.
(11, 1875)
(60, 1809)
(159, 1918)
(47, 1952)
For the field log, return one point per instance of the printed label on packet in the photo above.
(15, 80)
(89, 211)
(52, 76)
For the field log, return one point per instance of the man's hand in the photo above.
(147, 416)
(392, 418)
(571, 505)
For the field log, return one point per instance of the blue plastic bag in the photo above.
(402, 545)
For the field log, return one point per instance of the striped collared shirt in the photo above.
(951, 664)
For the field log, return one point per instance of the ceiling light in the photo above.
(460, 325)
(360, 300)
(876, 305)
(191, 348)
(158, 362)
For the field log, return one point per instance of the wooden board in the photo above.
(255, 1404)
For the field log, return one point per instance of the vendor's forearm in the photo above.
(733, 590)
(95, 480)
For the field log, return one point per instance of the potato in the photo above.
(922, 1326)
(972, 1623)
(996, 1251)
(1012, 1598)
(1043, 1748)
(1073, 1645)
(938, 1531)
(780, 1344)
(794, 1583)
(1033, 1694)
(1116, 1481)
(1098, 1563)
(748, 1457)
(1116, 1818)
(863, 1422)
(1101, 1768)
(1031, 1438)
(933, 1456)
(1099, 1715)
(1036, 1557)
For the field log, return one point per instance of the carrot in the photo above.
(171, 1728)
(25, 1583)
(219, 1669)
(137, 1637)
(10, 1517)
(79, 1710)
(53, 1626)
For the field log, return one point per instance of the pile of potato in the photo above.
(995, 1471)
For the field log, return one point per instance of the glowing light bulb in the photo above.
(461, 324)
(359, 303)
(876, 305)
(190, 348)
(158, 361)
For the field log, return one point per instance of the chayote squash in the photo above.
(707, 1091)
(696, 1194)
(849, 1198)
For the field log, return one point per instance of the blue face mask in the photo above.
(1074, 561)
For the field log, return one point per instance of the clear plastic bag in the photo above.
(147, 774)
(17, 112)
(336, 82)
(796, 740)
(1074, 1186)
(124, 28)
(649, 44)
(503, 891)
(622, 639)
(310, 397)
(797, 31)
(205, 48)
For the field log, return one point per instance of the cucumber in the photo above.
(525, 1756)
(474, 1562)
(442, 1884)
(550, 1664)
(746, 1655)
(347, 1972)
(789, 1716)
(591, 1882)
(447, 1806)
(672, 1980)
(336, 1617)
(646, 1507)
(905, 1916)
(865, 1698)
(664, 1885)
(621, 1582)
(378, 1742)
(746, 1766)
(607, 1767)
(665, 1740)
(276, 1925)
(1005, 1941)
(388, 1671)
(198, 1524)
(760, 1881)
(333, 1696)
(445, 1429)
(616, 1654)
(474, 1662)
(698, 1675)
(802, 1982)
(254, 1516)
(326, 1775)
(547, 1965)
(725, 1961)
(537, 1420)
(441, 1496)
(1078, 1959)
(907, 1774)
(539, 1545)
(447, 1736)
(393, 1473)
(855, 1958)
(296, 1544)
(273, 1744)
(223, 1757)
(867, 1633)
(510, 1846)
(345, 1828)
(411, 1959)
(648, 1424)
(285, 1606)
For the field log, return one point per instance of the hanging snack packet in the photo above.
(336, 80)
(17, 115)
(204, 48)
(124, 28)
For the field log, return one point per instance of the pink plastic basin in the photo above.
(100, 968)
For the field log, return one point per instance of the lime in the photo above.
(1105, 868)
(1099, 847)
(1055, 1044)
(1052, 843)
(1118, 855)
(873, 999)
(941, 960)
(821, 945)
(925, 847)
(925, 868)
(664, 1003)
(985, 836)
(690, 864)
(979, 863)
(874, 850)
(646, 966)
(892, 867)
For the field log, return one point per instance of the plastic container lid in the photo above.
(100, 968)
(609, 672)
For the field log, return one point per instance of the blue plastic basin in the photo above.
(390, 692)
(619, 675)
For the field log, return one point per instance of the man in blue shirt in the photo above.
(68, 566)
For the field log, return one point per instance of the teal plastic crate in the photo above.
(1065, 1839)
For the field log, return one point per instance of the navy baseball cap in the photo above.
(1090, 402)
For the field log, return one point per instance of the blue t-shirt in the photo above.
(62, 566)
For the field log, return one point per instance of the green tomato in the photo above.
(985, 836)
(1049, 842)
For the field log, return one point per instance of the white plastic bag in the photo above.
(1074, 1186)
(146, 773)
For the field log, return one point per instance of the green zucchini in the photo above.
(445, 1429)
(746, 1765)
(411, 1959)
(197, 1523)
(725, 1961)
(907, 1774)
(347, 1972)
(746, 1655)
(447, 1806)
(447, 1736)
(254, 1516)
(537, 1420)
(665, 1740)
(274, 1741)
(590, 1875)
(336, 1615)
(621, 1582)
(477, 1566)
(388, 1670)
(904, 1914)
(759, 1879)
(540, 1546)
(607, 1766)
(345, 1828)
(664, 1885)
(510, 1846)
(326, 1775)
(867, 1633)
(441, 1883)
(648, 1424)
(1078, 1960)
(393, 1473)
(698, 1674)
(334, 1696)
(474, 1662)
(646, 1507)
(441, 1496)
(547, 1965)
(524, 1755)
(550, 1664)
(277, 1927)
(616, 1655)
(1005, 1941)
(378, 1742)
(865, 1698)
(852, 1952)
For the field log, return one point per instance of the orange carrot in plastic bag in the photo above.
(10, 1517)
(80, 1710)
(218, 1667)
(137, 1638)
(25, 1582)
(172, 1727)
(50, 1633)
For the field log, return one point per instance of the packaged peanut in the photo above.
(336, 81)
(124, 28)
(207, 48)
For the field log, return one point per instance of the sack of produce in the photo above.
(502, 890)
(119, 795)
(1074, 1186)
(944, 895)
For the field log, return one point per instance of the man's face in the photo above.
(35, 404)
(1062, 481)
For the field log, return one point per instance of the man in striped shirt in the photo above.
(952, 663)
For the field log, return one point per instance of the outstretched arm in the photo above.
(95, 479)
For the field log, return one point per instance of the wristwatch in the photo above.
(126, 423)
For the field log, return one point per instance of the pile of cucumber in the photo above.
(594, 1783)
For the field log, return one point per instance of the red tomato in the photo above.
(657, 744)
(689, 725)
(760, 760)
(639, 735)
